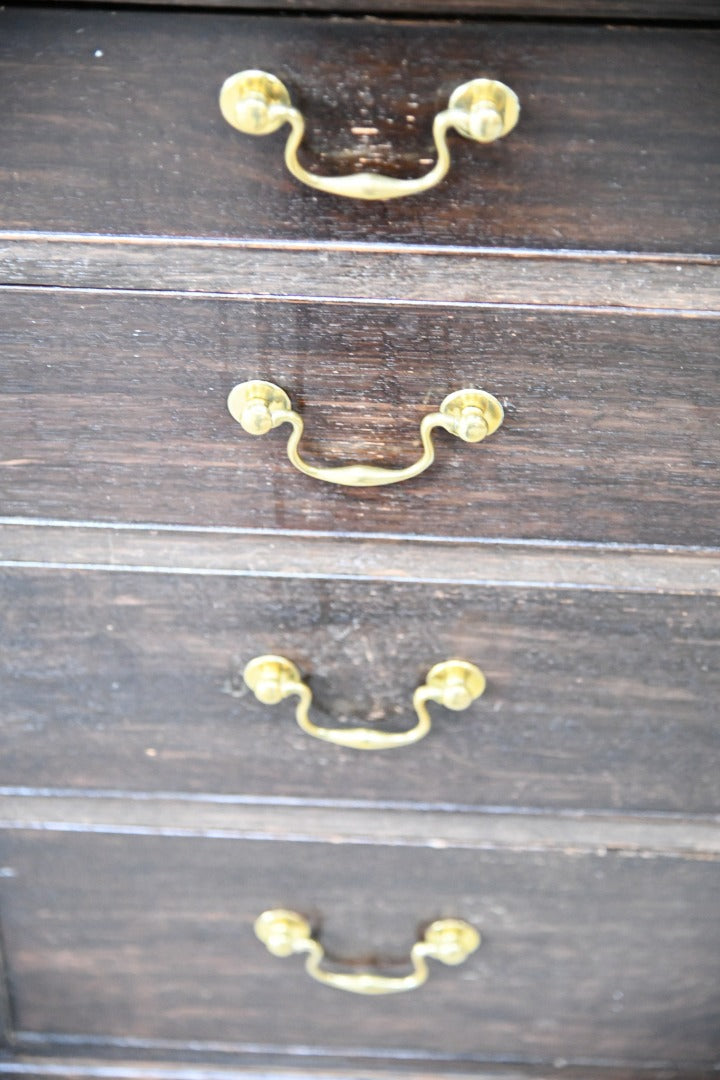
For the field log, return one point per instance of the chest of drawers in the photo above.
(150, 807)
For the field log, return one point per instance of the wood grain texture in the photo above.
(402, 274)
(682, 11)
(204, 1063)
(6, 1009)
(134, 682)
(113, 409)
(634, 835)
(316, 556)
(152, 938)
(149, 808)
(616, 148)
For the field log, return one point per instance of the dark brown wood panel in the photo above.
(110, 124)
(583, 957)
(334, 821)
(118, 1064)
(134, 682)
(343, 556)
(679, 10)
(401, 273)
(124, 1063)
(113, 409)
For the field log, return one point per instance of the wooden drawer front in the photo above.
(151, 938)
(112, 125)
(114, 409)
(134, 681)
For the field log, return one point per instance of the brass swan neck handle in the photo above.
(450, 941)
(469, 414)
(258, 103)
(455, 684)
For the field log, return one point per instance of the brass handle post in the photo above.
(258, 103)
(470, 415)
(450, 941)
(455, 684)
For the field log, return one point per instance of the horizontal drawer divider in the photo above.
(633, 836)
(139, 1059)
(388, 274)
(351, 301)
(122, 1067)
(275, 1057)
(153, 549)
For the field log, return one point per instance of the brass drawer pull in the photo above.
(257, 103)
(454, 684)
(259, 406)
(450, 941)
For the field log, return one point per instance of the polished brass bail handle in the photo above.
(450, 941)
(454, 684)
(470, 415)
(258, 103)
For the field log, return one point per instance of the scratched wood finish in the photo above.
(111, 125)
(113, 409)
(134, 681)
(152, 938)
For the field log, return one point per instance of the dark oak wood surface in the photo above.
(111, 125)
(681, 11)
(584, 957)
(44, 544)
(113, 409)
(134, 682)
(350, 822)
(404, 274)
(582, 786)
(121, 1063)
